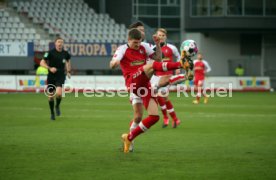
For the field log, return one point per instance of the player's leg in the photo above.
(146, 123)
(59, 84)
(51, 91)
(172, 80)
(198, 88)
(162, 104)
(206, 97)
(51, 101)
(177, 79)
(160, 66)
(172, 113)
(164, 100)
(137, 105)
(157, 82)
(164, 80)
(137, 115)
(143, 126)
(163, 66)
(198, 95)
(58, 100)
(150, 104)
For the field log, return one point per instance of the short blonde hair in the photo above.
(162, 30)
(58, 38)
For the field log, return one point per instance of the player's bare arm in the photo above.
(114, 63)
(45, 65)
(207, 67)
(178, 58)
(68, 68)
(158, 52)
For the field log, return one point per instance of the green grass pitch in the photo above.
(229, 138)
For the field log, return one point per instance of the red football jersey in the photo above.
(200, 67)
(169, 53)
(130, 59)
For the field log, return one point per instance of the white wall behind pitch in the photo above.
(217, 49)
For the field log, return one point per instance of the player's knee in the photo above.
(58, 92)
(59, 96)
(167, 78)
(138, 119)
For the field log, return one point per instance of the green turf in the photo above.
(229, 138)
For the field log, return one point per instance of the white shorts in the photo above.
(134, 99)
(154, 81)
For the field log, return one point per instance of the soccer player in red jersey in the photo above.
(136, 101)
(169, 52)
(201, 67)
(137, 73)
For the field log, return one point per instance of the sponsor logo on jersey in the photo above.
(166, 59)
(64, 60)
(137, 62)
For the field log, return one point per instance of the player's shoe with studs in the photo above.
(131, 147)
(206, 99)
(188, 65)
(126, 143)
(53, 117)
(176, 123)
(165, 122)
(185, 64)
(58, 111)
(195, 102)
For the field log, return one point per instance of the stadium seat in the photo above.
(13, 31)
(5, 36)
(24, 36)
(18, 36)
(7, 30)
(71, 19)
(20, 30)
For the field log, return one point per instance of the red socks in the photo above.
(143, 126)
(171, 110)
(177, 79)
(162, 104)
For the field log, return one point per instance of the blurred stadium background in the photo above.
(229, 138)
(228, 32)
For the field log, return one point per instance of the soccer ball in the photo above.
(189, 47)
